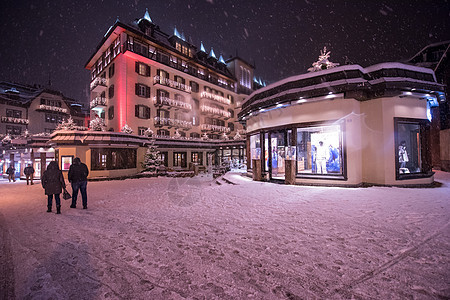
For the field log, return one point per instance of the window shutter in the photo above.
(136, 67)
(136, 89)
(147, 73)
(136, 110)
(147, 112)
(147, 92)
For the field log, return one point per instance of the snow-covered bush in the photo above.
(97, 124)
(126, 129)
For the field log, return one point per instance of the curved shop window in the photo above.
(320, 150)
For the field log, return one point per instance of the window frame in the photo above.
(424, 136)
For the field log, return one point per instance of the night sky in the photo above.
(54, 39)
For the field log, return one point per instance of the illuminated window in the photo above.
(413, 159)
(179, 159)
(319, 150)
(142, 112)
(142, 69)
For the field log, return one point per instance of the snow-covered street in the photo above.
(191, 238)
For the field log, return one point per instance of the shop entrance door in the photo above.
(277, 155)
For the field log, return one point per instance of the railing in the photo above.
(170, 83)
(215, 97)
(153, 56)
(98, 101)
(172, 102)
(98, 81)
(172, 122)
(53, 108)
(214, 128)
(215, 111)
(15, 120)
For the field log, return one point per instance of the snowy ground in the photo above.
(190, 238)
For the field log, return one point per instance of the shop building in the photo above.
(145, 78)
(344, 126)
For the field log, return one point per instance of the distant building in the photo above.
(28, 115)
(189, 97)
(436, 57)
(344, 126)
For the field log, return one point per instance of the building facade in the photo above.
(145, 78)
(29, 114)
(435, 57)
(345, 126)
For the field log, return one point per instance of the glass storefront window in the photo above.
(408, 148)
(278, 153)
(319, 150)
(255, 146)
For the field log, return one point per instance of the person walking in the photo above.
(11, 171)
(53, 183)
(78, 173)
(29, 173)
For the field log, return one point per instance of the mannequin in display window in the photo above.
(321, 158)
(403, 157)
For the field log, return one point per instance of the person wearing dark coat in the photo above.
(29, 173)
(11, 171)
(53, 183)
(78, 173)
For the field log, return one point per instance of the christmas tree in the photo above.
(127, 129)
(152, 159)
(68, 124)
(323, 63)
(237, 136)
(97, 124)
(177, 135)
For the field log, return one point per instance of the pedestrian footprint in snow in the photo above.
(53, 183)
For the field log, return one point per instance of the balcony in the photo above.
(178, 104)
(98, 85)
(53, 108)
(98, 102)
(15, 120)
(215, 111)
(215, 128)
(218, 98)
(159, 122)
(170, 83)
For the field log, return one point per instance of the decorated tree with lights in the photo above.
(126, 129)
(323, 63)
(97, 124)
(237, 136)
(68, 124)
(177, 135)
(152, 158)
(224, 136)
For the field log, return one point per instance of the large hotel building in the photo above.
(189, 97)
